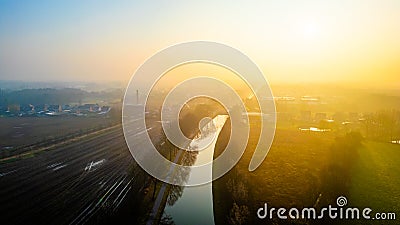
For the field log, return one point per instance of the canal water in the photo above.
(195, 205)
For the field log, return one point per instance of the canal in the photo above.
(195, 204)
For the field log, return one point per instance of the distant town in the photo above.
(50, 102)
(16, 110)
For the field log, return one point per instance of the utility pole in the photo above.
(137, 97)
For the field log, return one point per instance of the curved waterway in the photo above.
(195, 206)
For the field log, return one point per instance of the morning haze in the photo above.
(337, 42)
(66, 119)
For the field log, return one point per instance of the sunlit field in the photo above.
(315, 158)
(375, 177)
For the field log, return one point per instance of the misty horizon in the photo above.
(297, 42)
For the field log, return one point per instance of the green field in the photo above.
(376, 178)
(302, 165)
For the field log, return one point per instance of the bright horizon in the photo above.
(347, 42)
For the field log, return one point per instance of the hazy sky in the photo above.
(344, 41)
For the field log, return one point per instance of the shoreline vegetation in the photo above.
(189, 122)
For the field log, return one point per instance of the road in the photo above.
(70, 184)
(155, 211)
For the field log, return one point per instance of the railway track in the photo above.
(70, 184)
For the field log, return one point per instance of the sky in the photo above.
(355, 42)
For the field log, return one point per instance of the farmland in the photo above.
(305, 169)
(290, 175)
(375, 178)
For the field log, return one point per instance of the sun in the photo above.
(310, 31)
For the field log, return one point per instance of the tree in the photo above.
(238, 214)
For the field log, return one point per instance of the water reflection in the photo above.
(188, 159)
(194, 205)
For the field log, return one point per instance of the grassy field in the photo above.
(302, 165)
(290, 176)
(376, 178)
